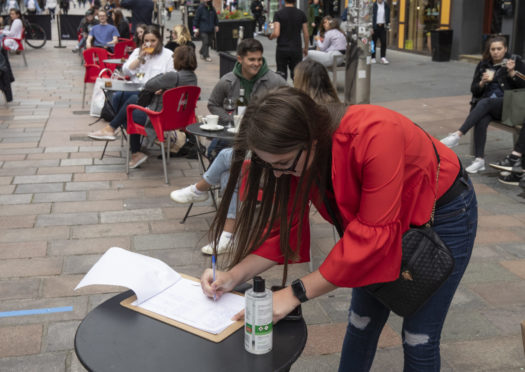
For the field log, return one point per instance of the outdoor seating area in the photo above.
(133, 148)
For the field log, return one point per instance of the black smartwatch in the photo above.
(299, 291)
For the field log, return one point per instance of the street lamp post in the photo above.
(358, 68)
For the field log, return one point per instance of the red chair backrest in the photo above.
(178, 108)
(93, 58)
(123, 49)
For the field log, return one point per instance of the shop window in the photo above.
(422, 18)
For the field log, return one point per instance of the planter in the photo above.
(228, 35)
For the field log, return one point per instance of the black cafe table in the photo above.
(223, 134)
(115, 338)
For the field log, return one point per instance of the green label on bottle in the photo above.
(263, 329)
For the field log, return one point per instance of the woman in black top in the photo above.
(493, 75)
(121, 24)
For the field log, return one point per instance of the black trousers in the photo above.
(287, 59)
(486, 110)
(379, 32)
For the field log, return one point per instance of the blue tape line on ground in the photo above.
(48, 310)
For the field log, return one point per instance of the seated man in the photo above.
(103, 35)
(252, 74)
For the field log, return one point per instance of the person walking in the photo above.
(287, 26)
(141, 11)
(205, 24)
(380, 24)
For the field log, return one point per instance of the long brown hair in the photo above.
(312, 78)
(493, 39)
(282, 121)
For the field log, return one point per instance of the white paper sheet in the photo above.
(146, 276)
(162, 290)
(186, 303)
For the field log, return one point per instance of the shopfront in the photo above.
(411, 22)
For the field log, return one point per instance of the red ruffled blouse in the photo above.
(384, 180)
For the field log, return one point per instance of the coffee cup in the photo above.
(490, 73)
(211, 120)
(237, 121)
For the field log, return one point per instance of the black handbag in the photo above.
(426, 263)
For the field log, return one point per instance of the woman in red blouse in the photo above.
(376, 170)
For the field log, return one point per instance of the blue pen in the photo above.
(213, 267)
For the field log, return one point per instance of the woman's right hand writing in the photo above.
(223, 283)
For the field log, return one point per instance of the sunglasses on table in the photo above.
(265, 165)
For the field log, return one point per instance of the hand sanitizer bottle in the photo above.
(258, 325)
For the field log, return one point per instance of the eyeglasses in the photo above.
(290, 169)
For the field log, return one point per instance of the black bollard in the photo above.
(59, 32)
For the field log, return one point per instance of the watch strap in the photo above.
(299, 291)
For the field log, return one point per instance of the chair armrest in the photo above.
(134, 128)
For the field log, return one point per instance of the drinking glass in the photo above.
(229, 106)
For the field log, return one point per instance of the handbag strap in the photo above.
(335, 217)
(431, 221)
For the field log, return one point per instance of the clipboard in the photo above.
(206, 335)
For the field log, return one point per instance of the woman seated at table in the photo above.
(331, 44)
(144, 63)
(185, 63)
(180, 36)
(119, 21)
(310, 77)
(13, 31)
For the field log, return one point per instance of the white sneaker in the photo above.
(477, 165)
(187, 195)
(452, 140)
(224, 244)
(384, 61)
(373, 60)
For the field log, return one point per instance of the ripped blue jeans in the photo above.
(456, 224)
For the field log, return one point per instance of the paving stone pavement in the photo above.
(62, 207)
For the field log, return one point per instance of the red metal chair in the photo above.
(93, 62)
(178, 111)
(20, 45)
(123, 48)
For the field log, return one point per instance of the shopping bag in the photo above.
(513, 107)
(98, 99)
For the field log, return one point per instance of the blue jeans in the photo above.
(219, 173)
(456, 224)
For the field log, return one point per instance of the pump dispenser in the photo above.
(258, 325)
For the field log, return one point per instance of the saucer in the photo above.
(233, 130)
(212, 128)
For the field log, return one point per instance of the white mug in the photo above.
(211, 120)
(237, 120)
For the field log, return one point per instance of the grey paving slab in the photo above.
(67, 219)
(43, 178)
(39, 187)
(151, 214)
(60, 197)
(60, 336)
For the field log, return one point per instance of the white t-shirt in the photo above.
(380, 13)
(154, 65)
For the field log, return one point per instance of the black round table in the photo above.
(223, 134)
(115, 338)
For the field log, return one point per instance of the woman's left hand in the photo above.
(511, 64)
(283, 303)
(159, 92)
